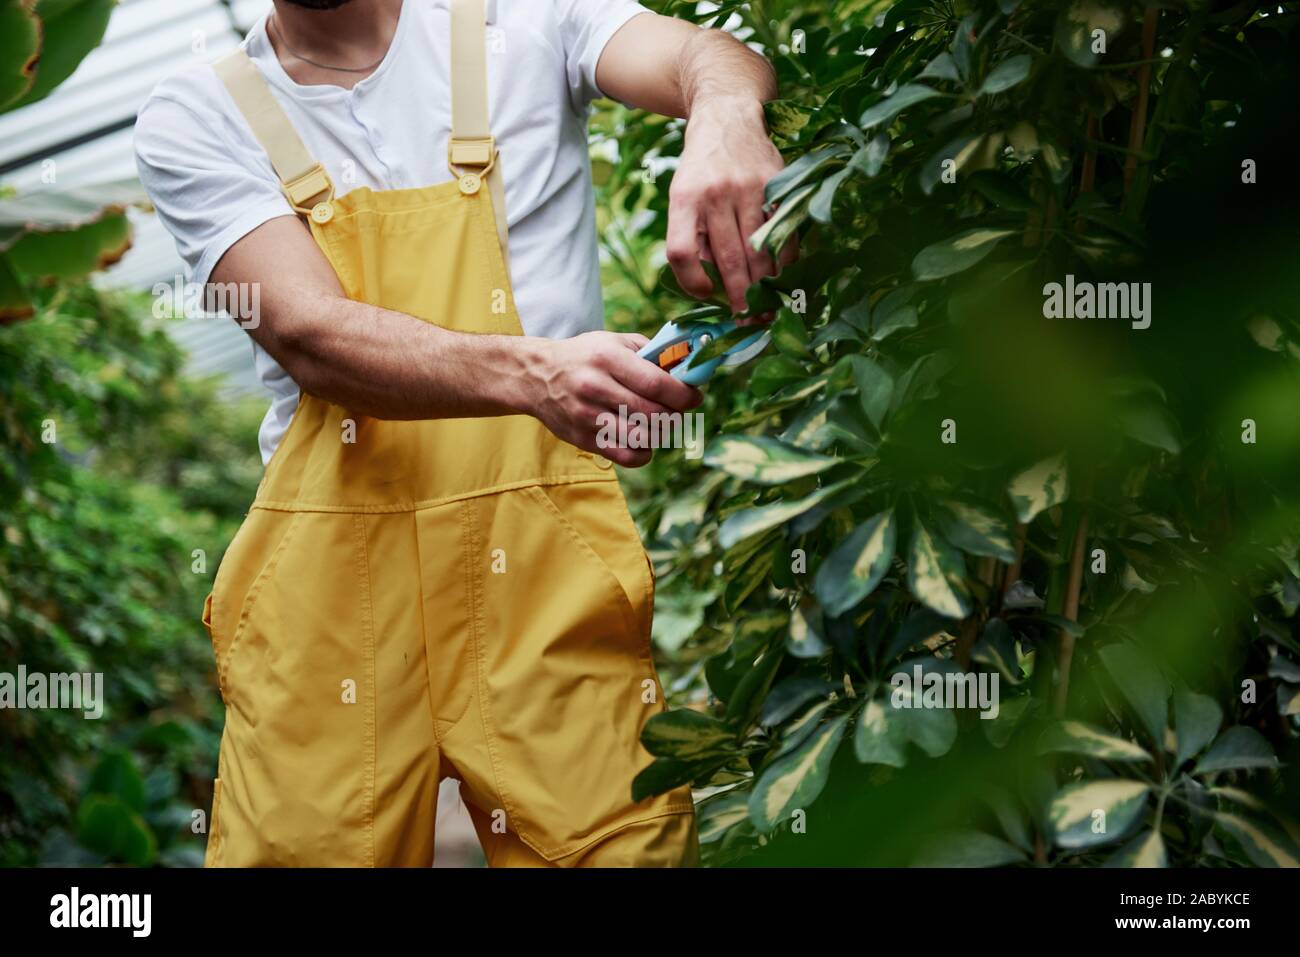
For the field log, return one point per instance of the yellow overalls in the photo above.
(408, 601)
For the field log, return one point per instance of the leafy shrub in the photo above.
(927, 470)
(98, 573)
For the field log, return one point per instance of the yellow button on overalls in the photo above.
(409, 601)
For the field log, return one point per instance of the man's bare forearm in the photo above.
(671, 67)
(714, 65)
(389, 365)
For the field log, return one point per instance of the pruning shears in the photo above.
(676, 346)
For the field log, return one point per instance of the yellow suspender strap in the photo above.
(303, 180)
(471, 142)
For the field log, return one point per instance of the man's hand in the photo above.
(577, 383)
(716, 199)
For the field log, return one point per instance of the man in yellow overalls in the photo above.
(439, 576)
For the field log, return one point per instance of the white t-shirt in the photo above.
(213, 184)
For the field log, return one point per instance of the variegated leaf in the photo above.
(1039, 488)
(977, 530)
(936, 574)
(879, 736)
(792, 782)
(752, 521)
(1095, 812)
(853, 570)
(1076, 737)
(1145, 850)
(764, 460)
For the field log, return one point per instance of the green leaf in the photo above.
(1145, 850)
(941, 67)
(71, 253)
(781, 225)
(71, 29)
(957, 253)
(789, 335)
(870, 159)
(996, 648)
(1238, 749)
(797, 731)
(1039, 487)
(773, 373)
(853, 570)
(905, 317)
(764, 460)
(1196, 721)
(20, 45)
(797, 174)
(933, 730)
(1151, 425)
(1076, 737)
(936, 574)
(969, 849)
(907, 95)
(1141, 684)
(790, 695)
(108, 825)
(824, 200)
(718, 815)
(686, 734)
(15, 303)
(1263, 844)
(117, 775)
(1075, 26)
(785, 118)
(875, 388)
(794, 781)
(752, 521)
(977, 530)
(804, 639)
(1006, 74)
(1074, 811)
(879, 736)
(664, 774)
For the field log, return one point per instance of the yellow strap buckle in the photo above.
(478, 152)
(313, 184)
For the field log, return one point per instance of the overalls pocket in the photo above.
(248, 563)
(566, 681)
(298, 752)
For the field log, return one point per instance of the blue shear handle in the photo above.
(672, 334)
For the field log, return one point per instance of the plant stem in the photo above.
(1138, 124)
(1070, 610)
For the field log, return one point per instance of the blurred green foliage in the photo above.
(121, 482)
(926, 470)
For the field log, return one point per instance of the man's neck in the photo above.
(355, 35)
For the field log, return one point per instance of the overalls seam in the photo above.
(424, 635)
(577, 478)
(371, 691)
(249, 601)
(467, 559)
(668, 810)
(470, 520)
